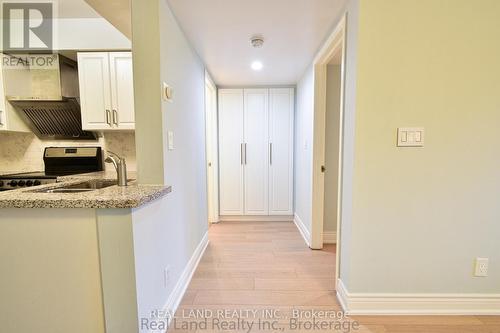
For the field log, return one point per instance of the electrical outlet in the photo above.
(481, 268)
(166, 273)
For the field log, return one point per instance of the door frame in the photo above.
(212, 149)
(335, 43)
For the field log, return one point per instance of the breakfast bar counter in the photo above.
(88, 230)
(44, 196)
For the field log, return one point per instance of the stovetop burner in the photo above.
(59, 161)
(27, 179)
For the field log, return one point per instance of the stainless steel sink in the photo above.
(87, 186)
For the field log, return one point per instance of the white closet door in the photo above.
(281, 107)
(256, 157)
(231, 151)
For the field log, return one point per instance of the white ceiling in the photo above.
(117, 12)
(220, 31)
(74, 9)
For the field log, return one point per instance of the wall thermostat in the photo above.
(166, 92)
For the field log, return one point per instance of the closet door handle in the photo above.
(115, 117)
(245, 154)
(241, 153)
(108, 117)
(271, 153)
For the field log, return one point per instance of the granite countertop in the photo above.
(131, 196)
(3, 173)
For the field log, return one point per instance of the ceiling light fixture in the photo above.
(257, 65)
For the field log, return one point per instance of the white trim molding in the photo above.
(334, 44)
(302, 229)
(417, 304)
(180, 288)
(256, 218)
(329, 237)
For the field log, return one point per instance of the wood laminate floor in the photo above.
(263, 274)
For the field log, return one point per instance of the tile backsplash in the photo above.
(24, 151)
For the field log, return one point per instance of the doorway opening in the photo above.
(329, 81)
(332, 149)
(211, 150)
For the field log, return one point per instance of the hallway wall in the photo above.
(422, 215)
(303, 149)
(168, 231)
(304, 136)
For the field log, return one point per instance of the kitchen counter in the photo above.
(83, 249)
(3, 173)
(131, 196)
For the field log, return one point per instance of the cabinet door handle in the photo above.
(271, 153)
(115, 117)
(241, 153)
(1, 118)
(108, 117)
(245, 154)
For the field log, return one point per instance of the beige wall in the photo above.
(421, 215)
(50, 278)
(24, 151)
(147, 100)
(332, 147)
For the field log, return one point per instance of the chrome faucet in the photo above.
(120, 166)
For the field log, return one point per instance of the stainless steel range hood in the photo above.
(52, 110)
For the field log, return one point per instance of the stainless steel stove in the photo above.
(59, 161)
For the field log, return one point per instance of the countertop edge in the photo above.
(115, 197)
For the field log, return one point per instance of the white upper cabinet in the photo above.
(106, 90)
(281, 112)
(9, 118)
(3, 113)
(122, 90)
(95, 90)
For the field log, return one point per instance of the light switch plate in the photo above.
(411, 136)
(170, 139)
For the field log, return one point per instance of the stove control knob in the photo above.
(13, 183)
(37, 182)
(29, 183)
(21, 183)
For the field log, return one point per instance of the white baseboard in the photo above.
(302, 229)
(211, 221)
(329, 237)
(256, 218)
(175, 297)
(417, 304)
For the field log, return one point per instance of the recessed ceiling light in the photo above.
(257, 65)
